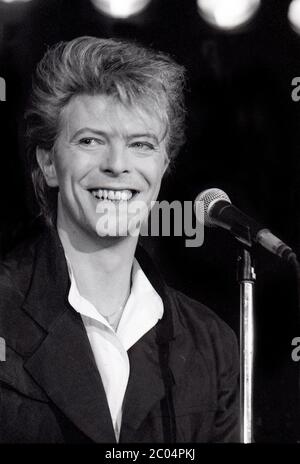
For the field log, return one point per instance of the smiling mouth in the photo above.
(113, 195)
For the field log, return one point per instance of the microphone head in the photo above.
(209, 197)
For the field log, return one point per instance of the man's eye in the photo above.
(89, 142)
(143, 145)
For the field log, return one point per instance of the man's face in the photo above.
(107, 159)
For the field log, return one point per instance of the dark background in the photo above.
(243, 136)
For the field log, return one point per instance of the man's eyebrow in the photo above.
(149, 135)
(87, 129)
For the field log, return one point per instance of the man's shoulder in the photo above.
(15, 271)
(200, 319)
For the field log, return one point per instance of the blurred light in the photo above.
(227, 14)
(15, 1)
(294, 15)
(120, 8)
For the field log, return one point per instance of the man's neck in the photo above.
(101, 267)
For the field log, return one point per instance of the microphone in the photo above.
(218, 211)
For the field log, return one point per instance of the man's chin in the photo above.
(116, 231)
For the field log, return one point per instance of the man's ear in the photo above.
(46, 163)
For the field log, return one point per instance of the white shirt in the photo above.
(143, 309)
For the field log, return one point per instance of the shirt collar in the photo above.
(143, 308)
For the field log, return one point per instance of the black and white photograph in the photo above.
(150, 225)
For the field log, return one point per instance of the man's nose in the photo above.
(115, 161)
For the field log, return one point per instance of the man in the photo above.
(99, 348)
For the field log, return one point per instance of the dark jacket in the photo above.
(183, 382)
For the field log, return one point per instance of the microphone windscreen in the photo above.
(209, 197)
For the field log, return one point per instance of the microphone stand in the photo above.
(246, 278)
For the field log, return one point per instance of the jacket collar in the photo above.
(50, 280)
(50, 284)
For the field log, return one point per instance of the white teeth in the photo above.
(118, 195)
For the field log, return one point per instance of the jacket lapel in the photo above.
(63, 364)
(146, 386)
(64, 367)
